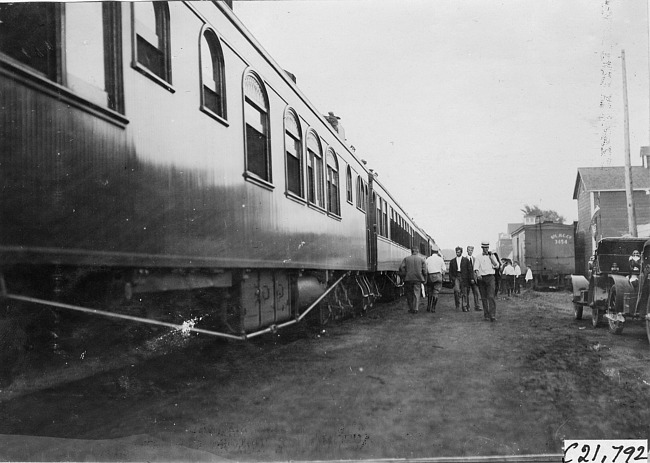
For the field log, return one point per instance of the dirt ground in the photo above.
(388, 384)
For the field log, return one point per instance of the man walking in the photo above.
(436, 270)
(473, 286)
(517, 277)
(414, 272)
(460, 275)
(485, 267)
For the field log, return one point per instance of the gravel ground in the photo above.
(388, 384)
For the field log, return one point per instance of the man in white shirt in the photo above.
(484, 267)
(509, 277)
(517, 277)
(435, 270)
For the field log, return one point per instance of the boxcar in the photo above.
(548, 250)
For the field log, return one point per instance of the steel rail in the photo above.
(540, 458)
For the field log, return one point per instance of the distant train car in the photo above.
(548, 250)
(155, 146)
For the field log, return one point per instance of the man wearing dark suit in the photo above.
(473, 285)
(413, 270)
(461, 275)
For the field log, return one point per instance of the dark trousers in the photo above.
(434, 284)
(486, 286)
(460, 293)
(413, 289)
(473, 288)
(517, 284)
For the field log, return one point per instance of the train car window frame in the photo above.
(361, 194)
(257, 133)
(315, 172)
(332, 180)
(348, 185)
(212, 76)
(293, 156)
(55, 78)
(143, 46)
(35, 37)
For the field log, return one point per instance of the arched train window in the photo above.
(213, 90)
(293, 152)
(333, 200)
(152, 38)
(315, 193)
(348, 184)
(256, 116)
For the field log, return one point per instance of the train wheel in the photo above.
(577, 311)
(615, 326)
(596, 317)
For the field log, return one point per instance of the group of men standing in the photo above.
(475, 274)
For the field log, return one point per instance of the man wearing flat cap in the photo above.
(484, 268)
(414, 272)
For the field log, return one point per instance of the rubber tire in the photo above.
(596, 317)
(577, 311)
(615, 327)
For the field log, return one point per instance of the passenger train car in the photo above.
(151, 147)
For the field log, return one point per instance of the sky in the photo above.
(470, 109)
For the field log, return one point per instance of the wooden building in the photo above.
(602, 206)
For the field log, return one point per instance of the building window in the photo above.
(293, 150)
(315, 189)
(84, 56)
(213, 90)
(256, 117)
(333, 200)
(152, 39)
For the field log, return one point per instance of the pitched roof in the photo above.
(610, 178)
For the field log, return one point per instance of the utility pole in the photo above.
(629, 191)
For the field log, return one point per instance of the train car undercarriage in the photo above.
(233, 303)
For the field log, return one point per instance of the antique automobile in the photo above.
(613, 290)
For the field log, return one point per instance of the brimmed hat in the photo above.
(435, 248)
(485, 244)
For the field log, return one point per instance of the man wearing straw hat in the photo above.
(484, 268)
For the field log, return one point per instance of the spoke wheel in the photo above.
(615, 327)
(577, 311)
(596, 317)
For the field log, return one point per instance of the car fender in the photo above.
(578, 283)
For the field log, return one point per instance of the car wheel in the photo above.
(596, 317)
(615, 326)
(577, 311)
